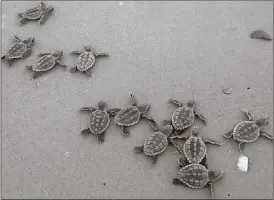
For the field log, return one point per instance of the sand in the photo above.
(158, 50)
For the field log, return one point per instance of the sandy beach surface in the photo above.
(158, 50)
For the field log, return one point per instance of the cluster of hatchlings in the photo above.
(193, 166)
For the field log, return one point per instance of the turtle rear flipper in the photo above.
(114, 111)
(139, 149)
(101, 137)
(176, 181)
(36, 74)
(73, 70)
(3, 57)
(23, 21)
(228, 134)
(85, 131)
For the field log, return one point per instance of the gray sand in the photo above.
(158, 50)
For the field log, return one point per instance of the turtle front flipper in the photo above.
(29, 67)
(42, 54)
(36, 74)
(176, 181)
(200, 116)
(114, 111)
(139, 149)
(77, 52)
(85, 131)
(23, 21)
(87, 109)
(267, 135)
(125, 131)
(166, 122)
(133, 100)
(228, 134)
(182, 162)
(101, 137)
(9, 62)
(248, 114)
(61, 64)
(177, 103)
(153, 124)
(73, 70)
(211, 141)
(101, 54)
(17, 39)
(210, 185)
(43, 19)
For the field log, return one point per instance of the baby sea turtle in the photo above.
(156, 143)
(194, 148)
(86, 60)
(183, 117)
(21, 49)
(46, 62)
(98, 122)
(197, 176)
(40, 12)
(249, 131)
(130, 115)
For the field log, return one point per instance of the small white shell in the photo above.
(243, 163)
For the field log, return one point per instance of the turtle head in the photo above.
(88, 48)
(102, 105)
(191, 103)
(262, 122)
(50, 9)
(29, 42)
(144, 108)
(215, 175)
(195, 131)
(58, 54)
(167, 130)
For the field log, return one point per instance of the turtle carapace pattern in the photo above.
(41, 12)
(249, 131)
(20, 50)
(86, 60)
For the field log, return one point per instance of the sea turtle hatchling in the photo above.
(20, 50)
(156, 143)
(85, 60)
(40, 12)
(130, 116)
(98, 122)
(46, 62)
(249, 131)
(198, 176)
(194, 148)
(184, 116)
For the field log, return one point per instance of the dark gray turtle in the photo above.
(99, 121)
(130, 115)
(249, 131)
(194, 148)
(40, 12)
(183, 117)
(86, 60)
(46, 62)
(156, 143)
(197, 176)
(20, 50)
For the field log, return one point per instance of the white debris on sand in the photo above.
(243, 163)
(68, 154)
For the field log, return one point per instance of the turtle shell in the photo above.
(182, 118)
(128, 116)
(45, 63)
(85, 61)
(246, 131)
(194, 175)
(16, 50)
(33, 13)
(155, 144)
(194, 149)
(99, 122)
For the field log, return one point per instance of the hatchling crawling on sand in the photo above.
(130, 116)
(85, 60)
(194, 148)
(156, 143)
(198, 176)
(40, 12)
(249, 131)
(98, 122)
(46, 62)
(184, 116)
(20, 50)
